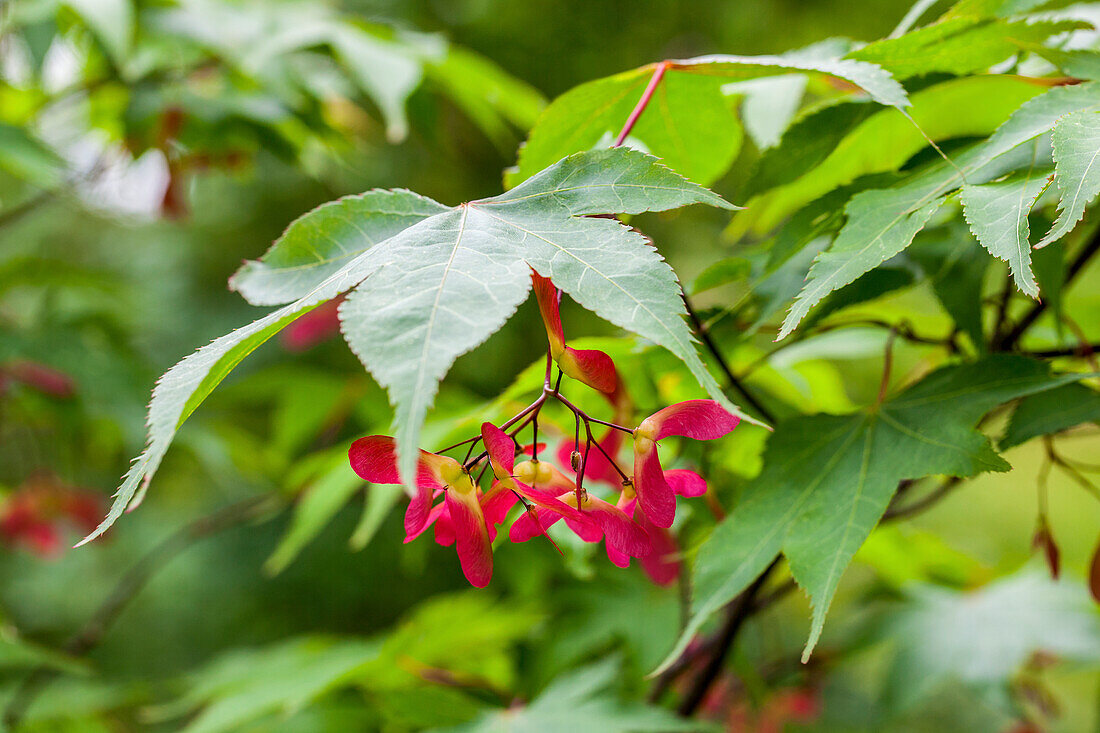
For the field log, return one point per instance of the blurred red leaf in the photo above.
(47, 380)
(320, 324)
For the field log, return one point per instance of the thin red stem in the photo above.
(625, 478)
(535, 437)
(580, 474)
(470, 451)
(611, 425)
(463, 442)
(651, 88)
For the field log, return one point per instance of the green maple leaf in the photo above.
(1076, 143)
(882, 223)
(1051, 412)
(430, 282)
(689, 122)
(997, 215)
(827, 480)
(453, 279)
(958, 45)
(836, 145)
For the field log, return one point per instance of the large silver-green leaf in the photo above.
(445, 282)
(453, 279)
(1076, 142)
(879, 221)
(183, 387)
(448, 284)
(319, 244)
(997, 215)
(827, 480)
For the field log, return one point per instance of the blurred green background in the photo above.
(113, 299)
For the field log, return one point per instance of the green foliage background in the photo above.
(234, 634)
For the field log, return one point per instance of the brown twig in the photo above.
(734, 382)
(922, 503)
(1083, 351)
(737, 613)
(710, 643)
(1010, 339)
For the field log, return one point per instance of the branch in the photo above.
(710, 643)
(130, 585)
(1012, 337)
(920, 505)
(1082, 351)
(736, 614)
(1002, 308)
(712, 347)
(902, 329)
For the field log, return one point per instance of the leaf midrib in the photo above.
(795, 507)
(670, 331)
(831, 577)
(1084, 175)
(421, 371)
(505, 201)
